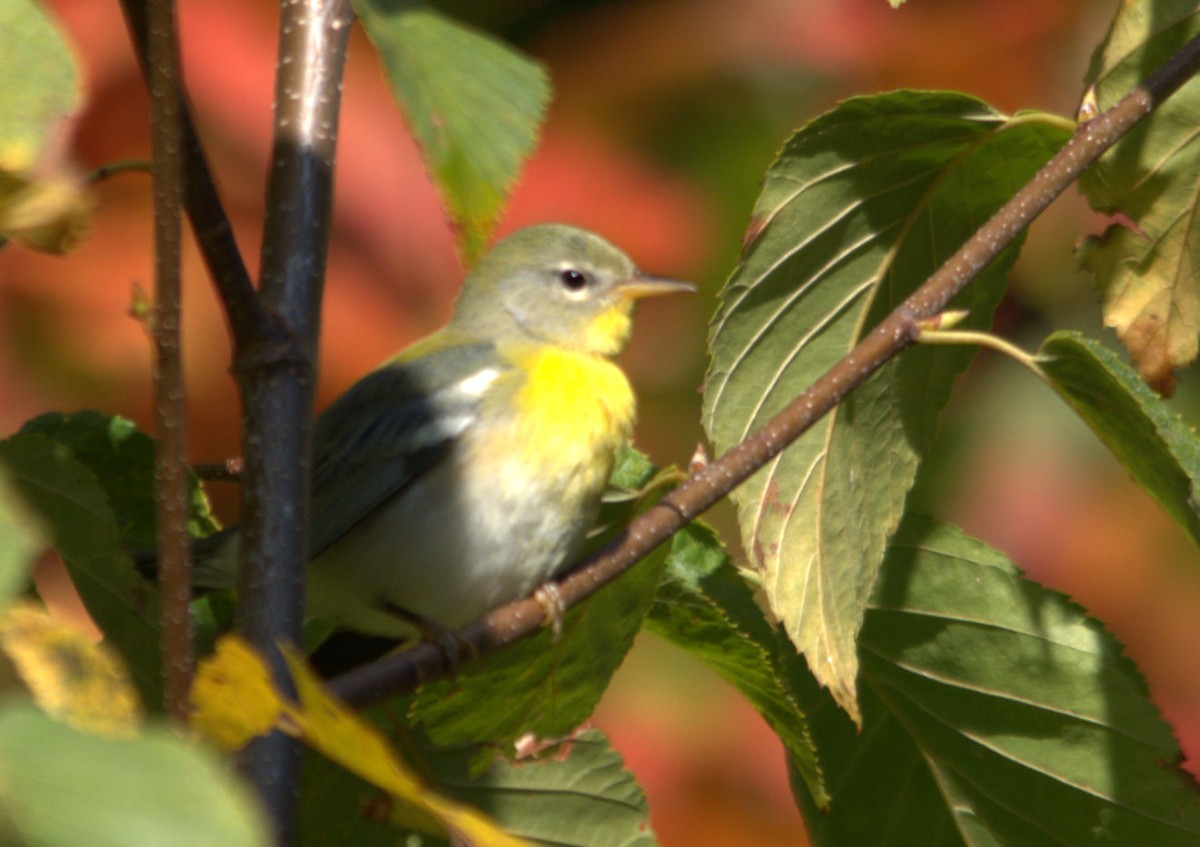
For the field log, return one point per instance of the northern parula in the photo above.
(466, 470)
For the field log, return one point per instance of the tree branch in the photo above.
(171, 479)
(247, 318)
(277, 378)
(404, 671)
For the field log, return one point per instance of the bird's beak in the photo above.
(643, 285)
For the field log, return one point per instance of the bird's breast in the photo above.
(572, 412)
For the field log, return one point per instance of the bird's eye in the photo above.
(573, 280)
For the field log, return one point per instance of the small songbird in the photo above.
(466, 470)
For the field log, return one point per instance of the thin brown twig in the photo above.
(171, 484)
(402, 672)
(230, 470)
(248, 320)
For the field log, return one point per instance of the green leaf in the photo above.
(41, 84)
(705, 607)
(1148, 273)
(580, 796)
(80, 525)
(1160, 450)
(20, 540)
(61, 787)
(122, 458)
(995, 712)
(859, 208)
(886, 795)
(473, 104)
(551, 686)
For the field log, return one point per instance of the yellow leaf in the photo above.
(343, 737)
(47, 215)
(233, 697)
(18, 155)
(71, 678)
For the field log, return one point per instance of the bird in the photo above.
(466, 470)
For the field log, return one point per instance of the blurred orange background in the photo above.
(666, 115)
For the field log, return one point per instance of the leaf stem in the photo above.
(120, 167)
(1036, 116)
(403, 671)
(982, 339)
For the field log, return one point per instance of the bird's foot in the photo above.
(553, 607)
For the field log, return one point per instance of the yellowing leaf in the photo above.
(233, 697)
(235, 701)
(1146, 262)
(41, 84)
(342, 736)
(46, 215)
(861, 206)
(71, 678)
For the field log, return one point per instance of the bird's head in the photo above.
(555, 284)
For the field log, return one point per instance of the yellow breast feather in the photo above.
(571, 407)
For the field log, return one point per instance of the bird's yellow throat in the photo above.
(572, 404)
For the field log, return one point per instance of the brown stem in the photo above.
(170, 458)
(213, 231)
(230, 470)
(403, 671)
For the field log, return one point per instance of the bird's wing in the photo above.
(392, 426)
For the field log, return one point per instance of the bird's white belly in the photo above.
(451, 548)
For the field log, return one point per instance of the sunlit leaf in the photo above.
(233, 699)
(995, 712)
(860, 207)
(70, 677)
(473, 104)
(1147, 263)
